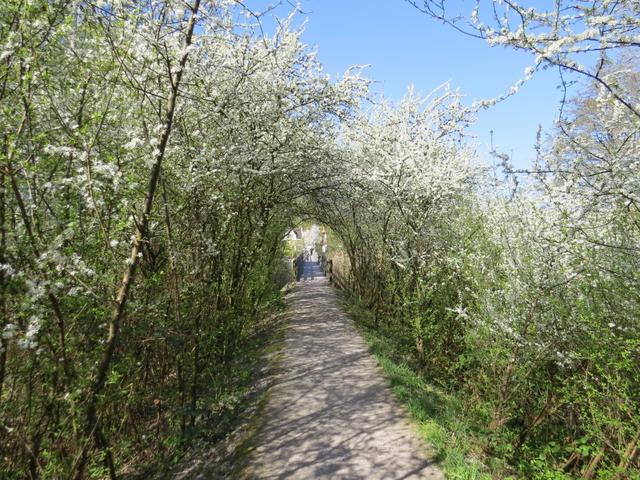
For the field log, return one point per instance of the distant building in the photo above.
(295, 234)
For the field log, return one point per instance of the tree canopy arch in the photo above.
(154, 154)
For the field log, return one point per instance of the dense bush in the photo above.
(153, 155)
(523, 301)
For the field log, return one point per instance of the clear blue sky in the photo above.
(404, 47)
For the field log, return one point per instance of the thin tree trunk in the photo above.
(195, 379)
(53, 299)
(175, 295)
(593, 464)
(91, 423)
(629, 454)
(26, 220)
(3, 281)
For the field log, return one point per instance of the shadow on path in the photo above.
(331, 414)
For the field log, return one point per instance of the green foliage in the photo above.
(149, 168)
(134, 273)
(522, 305)
(438, 414)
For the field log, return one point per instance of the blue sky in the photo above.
(404, 47)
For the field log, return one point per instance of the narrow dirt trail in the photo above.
(331, 414)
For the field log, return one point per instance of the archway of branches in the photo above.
(154, 155)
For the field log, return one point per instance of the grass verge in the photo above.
(437, 414)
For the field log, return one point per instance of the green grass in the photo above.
(436, 414)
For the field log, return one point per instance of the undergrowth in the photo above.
(439, 416)
(216, 447)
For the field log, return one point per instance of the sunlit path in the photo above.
(331, 413)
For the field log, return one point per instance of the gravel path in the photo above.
(331, 414)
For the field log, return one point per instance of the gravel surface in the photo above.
(331, 413)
